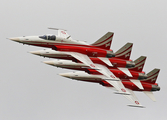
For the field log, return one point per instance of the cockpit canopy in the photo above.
(48, 37)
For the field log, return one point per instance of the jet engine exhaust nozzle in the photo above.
(142, 76)
(155, 88)
(110, 54)
(130, 64)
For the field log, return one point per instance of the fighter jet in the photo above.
(148, 84)
(64, 42)
(122, 58)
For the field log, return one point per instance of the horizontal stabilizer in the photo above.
(126, 71)
(137, 83)
(150, 95)
(140, 106)
(106, 60)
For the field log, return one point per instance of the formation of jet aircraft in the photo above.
(97, 63)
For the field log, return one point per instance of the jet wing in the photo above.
(105, 71)
(113, 80)
(126, 71)
(83, 58)
(106, 60)
(117, 84)
(132, 97)
(137, 83)
(87, 61)
(119, 87)
(110, 77)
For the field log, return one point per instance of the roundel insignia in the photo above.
(137, 102)
(123, 90)
(63, 32)
(92, 65)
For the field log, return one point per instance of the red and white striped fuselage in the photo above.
(83, 76)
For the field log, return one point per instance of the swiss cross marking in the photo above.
(123, 90)
(63, 32)
(112, 76)
(92, 65)
(137, 102)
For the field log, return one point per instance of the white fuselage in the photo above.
(66, 64)
(47, 40)
(51, 53)
(83, 76)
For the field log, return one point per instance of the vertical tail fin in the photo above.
(105, 41)
(139, 64)
(125, 51)
(152, 76)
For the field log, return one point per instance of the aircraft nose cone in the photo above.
(49, 62)
(35, 52)
(64, 75)
(15, 39)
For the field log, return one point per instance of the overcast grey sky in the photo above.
(31, 90)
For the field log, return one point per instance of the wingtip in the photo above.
(139, 106)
